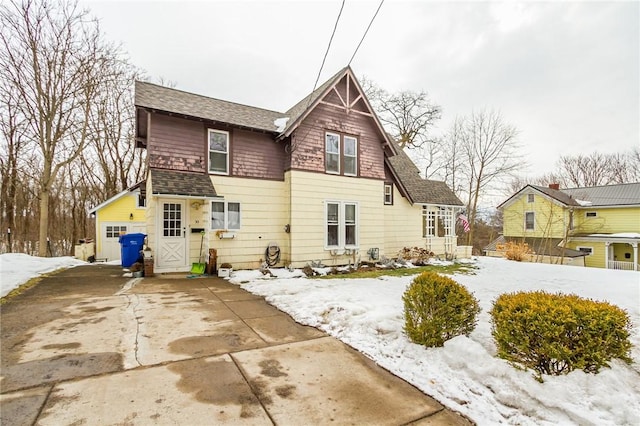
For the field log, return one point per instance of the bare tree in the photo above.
(408, 116)
(586, 170)
(54, 58)
(519, 182)
(597, 169)
(489, 151)
(12, 147)
(111, 158)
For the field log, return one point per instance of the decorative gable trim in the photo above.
(349, 100)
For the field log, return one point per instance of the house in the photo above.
(320, 182)
(123, 213)
(601, 222)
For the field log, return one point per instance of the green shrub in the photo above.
(555, 334)
(436, 308)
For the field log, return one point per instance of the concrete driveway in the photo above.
(87, 346)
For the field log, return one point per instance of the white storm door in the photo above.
(172, 242)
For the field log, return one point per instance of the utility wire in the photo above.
(328, 47)
(366, 31)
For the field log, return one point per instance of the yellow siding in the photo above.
(264, 213)
(309, 191)
(551, 219)
(402, 225)
(598, 256)
(119, 211)
(607, 221)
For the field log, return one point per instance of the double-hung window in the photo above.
(350, 156)
(529, 221)
(218, 152)
(332, 154)
(341, 224)
(388, 193)
(225, 215)
(341, 154)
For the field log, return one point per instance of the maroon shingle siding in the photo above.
(176, 144)
(257, 155)
(308, 141)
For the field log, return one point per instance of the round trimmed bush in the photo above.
(437, 308)
(555, 333)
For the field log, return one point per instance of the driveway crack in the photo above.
(133, 305)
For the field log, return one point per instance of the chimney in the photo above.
(555, 186)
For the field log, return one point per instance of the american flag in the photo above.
(465, 222)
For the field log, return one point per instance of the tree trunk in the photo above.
(44, 222)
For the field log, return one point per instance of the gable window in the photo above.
(341, 154)
(341, 226)
(225, 215)
(530, 198)
(332, 153)
(218, 152)
(529, 221)
(388, 193)
(350, 156)
(141, 201)
(591, 214)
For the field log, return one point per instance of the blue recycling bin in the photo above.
(130, 246)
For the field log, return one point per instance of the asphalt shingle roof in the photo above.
(557, 194)
(181, 183)
(149, 95)
(420, 191)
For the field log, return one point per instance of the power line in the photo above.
(366, 31)
(329, 46)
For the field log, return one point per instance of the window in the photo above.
(530, 198)
(114, 231)
(350, 156)
(341, 224)
(225, 215)
(218, 152)
(172, 220)
(388, 193)
(142, 201)
(591, 214)
(341, 154)
(529, 221)
(332, 153)
(588, 250)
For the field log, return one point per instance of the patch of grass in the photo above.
(26, 286)
(456, 268)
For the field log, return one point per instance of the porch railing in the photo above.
(618, 264)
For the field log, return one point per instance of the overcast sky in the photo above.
(566, 74)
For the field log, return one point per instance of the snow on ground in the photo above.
(465, 374)
(17, 268)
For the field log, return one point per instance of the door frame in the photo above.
(159, 232)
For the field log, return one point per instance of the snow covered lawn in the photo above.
(465, 374)
(17, 268)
